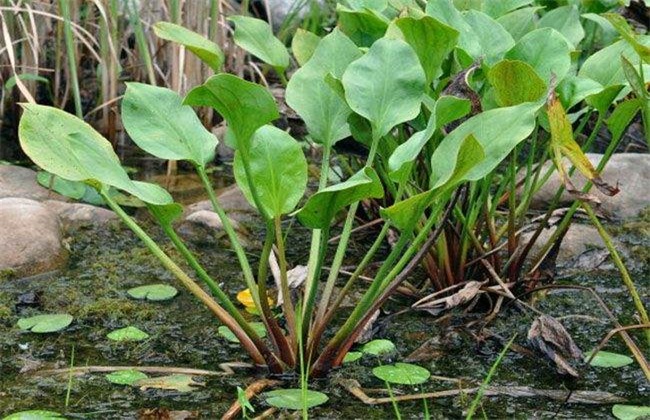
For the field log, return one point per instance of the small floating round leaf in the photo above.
(402, 373)
(352, 356)
(225, 332)
(292, 398)
(154, 292)
(630, 412)
(125, 377)
(128, 334)
(378, 347)
(608, 359)
(35, 415)
(45, 323)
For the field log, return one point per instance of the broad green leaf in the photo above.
(378, 347)
(431, 39)
(451, 108)
(226, 333)
(605, 67)
(519, 22)
(630, 412)
(364, 27)
(180, 383)
(35, 415)
(303, 45)
(245, 106)
(352, 356)
(623, 28)
(25, 77)
(66, 146)
(320, 208)
(129, 333)
(386, 85)
(574, 89)
(153, 292)
(602, 100)
(497, 131)
(256, 37)
(498, 8)
(566, 20)
(402, 373)
(515, 82)
(278, 170)
(125, 377)
(72, 189)
(376, 5)
(167, 214)
(309, 93)
(446, 12)
(634, 78)
(159, 123)
(546, 50)
(608, 359)
(493, 39)
(206, 50)
(45, 323)
(622, 116)
(293, 398)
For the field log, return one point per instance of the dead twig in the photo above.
(226, 369)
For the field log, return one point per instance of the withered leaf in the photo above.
(550, 338)
(464, 295)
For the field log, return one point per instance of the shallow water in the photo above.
(105, 263)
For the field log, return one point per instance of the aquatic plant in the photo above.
(443, 101)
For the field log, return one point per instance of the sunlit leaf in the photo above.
(153, 292)
(608, 359)
(515, 82)
(352, 356)
(378, 347)
(493, 39)
(256, 37)
(374, 90)
(604, 66)
(245, 298)
(630, 412)
(364, 27)
(206, 50)
(45, 323)
(293, 398)
(498, 8)
(574, 89)
(402, 373)
(35, 415)
(446, 12)
(129, 333)
(565, 20)
(125, 377)
(303, 45)
(546, 50)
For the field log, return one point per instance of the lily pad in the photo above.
(352, 356)
(378, 347)
(45, 323)
(630, 412)
(35, 415)
(402, 373)
(128, 334)
(292, 398)
(125, 377)
(180, 383)
(153, 292)
(225, 332)
(608, 359)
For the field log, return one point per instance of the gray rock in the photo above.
(16, 181)
(630, 170)
(280, 10)
(209, 219)
(231, 199)
(73, 215)
(30, 238)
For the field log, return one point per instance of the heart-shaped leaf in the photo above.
(153, 292)
(630, 412)
(519, 22)
(66, 146)
(245, 106)
(378, 347)
(605, 67)
(180, 383)
(206, 50)
(515, 82)
(35, 415)
(565, 20)
(129, 333)
(493, 39)
(364, 26)
(303, 45)
(147, 116)
(278, 170)
(498, 8)
(125, 377)
(446, 12)
(402, 373)
(324, 111)
(546, 50)
(226, 333)
(374, 90)
(320, 208)
(45, 323)
(608, 359)
(293, 398)
(256, 37)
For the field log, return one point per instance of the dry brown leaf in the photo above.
(464, 295)
(549, 337)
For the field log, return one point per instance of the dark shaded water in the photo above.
(105, 263)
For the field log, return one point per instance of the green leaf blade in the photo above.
(206, 50)
(292, 398)
(256, 36)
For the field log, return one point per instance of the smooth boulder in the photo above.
(30, 238)
(16, 181)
